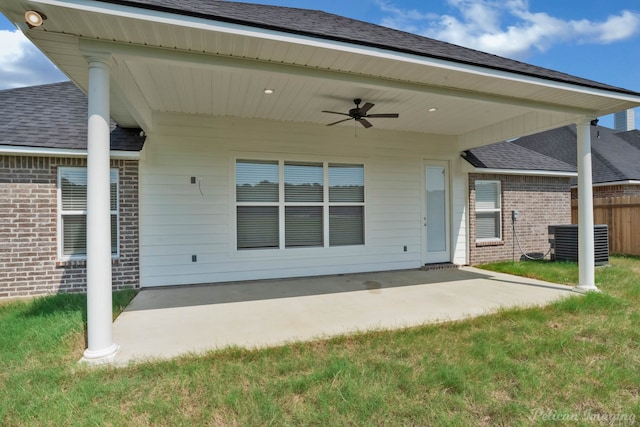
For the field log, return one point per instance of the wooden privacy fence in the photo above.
(622, 215)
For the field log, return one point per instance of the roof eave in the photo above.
(14, 150)
(532, 172)
(361, 43)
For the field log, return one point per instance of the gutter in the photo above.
(13, 150)
(535, 172)
(607, 184)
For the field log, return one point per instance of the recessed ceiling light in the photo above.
(432, 110)
(268, 91)
(34, 18)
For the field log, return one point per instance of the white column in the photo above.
(586, 247)
(101, 348)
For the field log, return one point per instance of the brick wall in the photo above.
(28, 228)
(540, 201)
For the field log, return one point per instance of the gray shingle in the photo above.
(324, 25)
(615, 156)
(507, 155)
(54, 116)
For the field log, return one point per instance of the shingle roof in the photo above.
(54, 116)
(632, 137)
(615, 156)
(507, 155)
(328, 26)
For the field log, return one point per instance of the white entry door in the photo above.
(436, 213)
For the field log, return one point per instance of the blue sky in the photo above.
(595, 39)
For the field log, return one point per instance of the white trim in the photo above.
(62, 152)
(326, 204)
(498, 210)
(524, 172)
(447, 254)
(607, 184)
(249, 31)
(62, 212)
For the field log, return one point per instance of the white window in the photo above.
(72, 212)
(287, 204)
(488, 211)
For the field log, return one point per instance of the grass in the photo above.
(575, 360)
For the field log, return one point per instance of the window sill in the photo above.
(81, 262)
(490, 243)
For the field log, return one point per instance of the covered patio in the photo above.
(218, 85)
(166, 322)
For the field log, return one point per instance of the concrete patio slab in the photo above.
(168, 322)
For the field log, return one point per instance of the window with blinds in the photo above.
(72, 211)
(286, 204)
(488, 210)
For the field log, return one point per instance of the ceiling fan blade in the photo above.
(339, 121)
(389, 115)
(336, 112)
(366, 107)
(365, 123)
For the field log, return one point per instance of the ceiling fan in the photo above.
(359, 114)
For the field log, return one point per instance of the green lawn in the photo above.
(575, 360)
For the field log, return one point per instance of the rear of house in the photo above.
(221, 202)
(245, 172)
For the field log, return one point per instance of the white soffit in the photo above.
(468, 97)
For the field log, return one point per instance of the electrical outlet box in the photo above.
(515, 215)
(194, 258)
(405, 248)
(193, 179)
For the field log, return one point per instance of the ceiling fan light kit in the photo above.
(360, 114)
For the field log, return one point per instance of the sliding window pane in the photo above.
(346, 225)
(487, 225)
(114, 189)
(257, 227)
(303, 226)
(114, 234)
(303, 182)
(487, 195)
(74, 235)
(257, 181)
(73, 186)
(346, 183)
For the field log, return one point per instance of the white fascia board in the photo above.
(12, 150)
(249, 31)
(524, 172)
(607, 184)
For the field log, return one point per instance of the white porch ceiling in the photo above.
(164, 63)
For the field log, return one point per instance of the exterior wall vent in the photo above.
(564, 243)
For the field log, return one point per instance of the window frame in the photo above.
(497, 210)
(61, 213)
(282, 204)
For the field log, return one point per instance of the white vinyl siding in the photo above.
(488, 210)
(72, 212)
(297, 211)
(179, 219)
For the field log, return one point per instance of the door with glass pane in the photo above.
(436, 213)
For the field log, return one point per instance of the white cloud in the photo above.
(22, 64)
(480, 24)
